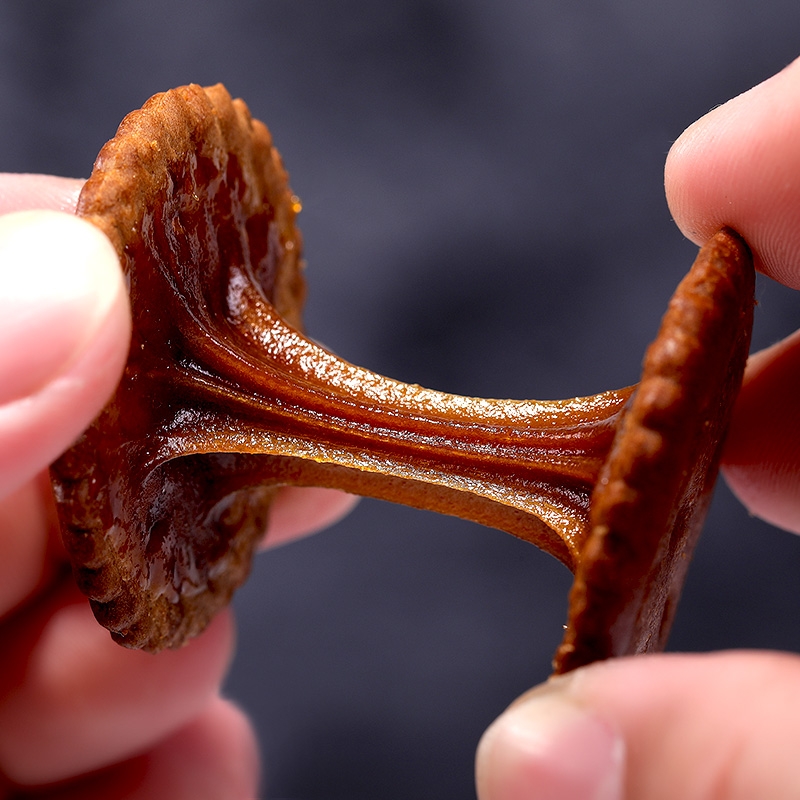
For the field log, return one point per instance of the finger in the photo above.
(29, 192)
(28, 556)
(214, 756)
(33, 272)
(737, 166)
(698, 727)
(297, 512)
(64, 332)
(72, 701)
(762, 452)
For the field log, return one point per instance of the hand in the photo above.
(71, 701)
(721, 725)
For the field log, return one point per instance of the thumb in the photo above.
(64, 333)
(700, 727)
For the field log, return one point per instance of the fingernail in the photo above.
(58, 280)
(546, 747)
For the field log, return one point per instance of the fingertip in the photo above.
(64, 329)
(60, 278)
(731, 168)
(546, 747)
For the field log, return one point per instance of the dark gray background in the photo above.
(483, 213)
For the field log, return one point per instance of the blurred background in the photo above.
(483, 214)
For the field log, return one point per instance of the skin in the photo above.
(713, 726)
(697, 727)
(76, 710)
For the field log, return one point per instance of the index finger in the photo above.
(739, 166)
